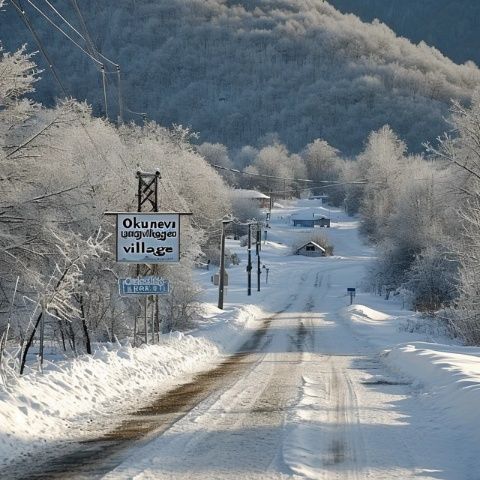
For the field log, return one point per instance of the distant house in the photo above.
(303, 222)
(262, 200)
(311, 249)
(324, 198)
(310, 220)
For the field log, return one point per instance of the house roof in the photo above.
(242, 193)
(312, 243)
(308, 215)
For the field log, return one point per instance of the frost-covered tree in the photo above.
(62, 169)
(380, 165)
(462, 151)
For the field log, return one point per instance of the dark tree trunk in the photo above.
(29, 343)
(88, 344)
(62, 335)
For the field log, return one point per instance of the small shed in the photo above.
(322, 222)
(311, 249)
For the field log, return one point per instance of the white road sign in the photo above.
(148, 238)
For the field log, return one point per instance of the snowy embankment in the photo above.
(38, 410)
(449, 374)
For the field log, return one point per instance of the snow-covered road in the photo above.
(315, 402)
(308, 394)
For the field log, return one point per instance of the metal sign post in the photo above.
(351, 292)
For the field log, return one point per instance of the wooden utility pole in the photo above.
(258, 247)
(221, 282)
(249, 264)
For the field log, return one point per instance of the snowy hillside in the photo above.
(301, 69)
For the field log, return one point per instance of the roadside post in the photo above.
(258, 248)
(267, 269)
(221, 283)
(351, 292)
(147, 238)
(249, 264)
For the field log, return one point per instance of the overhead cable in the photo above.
(64, 33)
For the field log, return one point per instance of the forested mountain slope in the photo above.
(452, 27)
(236, 70)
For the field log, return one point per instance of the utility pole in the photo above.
(258, 245)
(221, 282)
(147, 200)
(249, 265)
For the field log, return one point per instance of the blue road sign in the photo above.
(144, 286)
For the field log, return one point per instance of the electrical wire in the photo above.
(21, 12)
(64, 33)
(88, 38)
(92, 55)
(140, 114)
(65, 20)
(234, 170)
(94, 52)
(26, 20)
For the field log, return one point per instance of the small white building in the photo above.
(311, 249)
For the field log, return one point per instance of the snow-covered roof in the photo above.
(308, 215)
(312, 243)
(241, 193)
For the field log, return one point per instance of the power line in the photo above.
(26, 20)
(329, 182)
(64, 33)
(92, 55)
(21, 12)
(89, 43)
(234, 170)
(65, 20)
(88, 39)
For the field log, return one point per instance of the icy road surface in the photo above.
(306, 397)
(312, 403)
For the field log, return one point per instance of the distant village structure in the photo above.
(311, 249)
(324, 198)
(310, 220)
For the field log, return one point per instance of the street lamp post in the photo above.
(221, 282)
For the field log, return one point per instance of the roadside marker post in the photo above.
(352, 293)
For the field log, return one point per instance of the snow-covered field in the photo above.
(332, 391)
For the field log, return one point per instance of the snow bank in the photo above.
(379, 328)
(450, 373)
(61, 403)
(51, 407)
